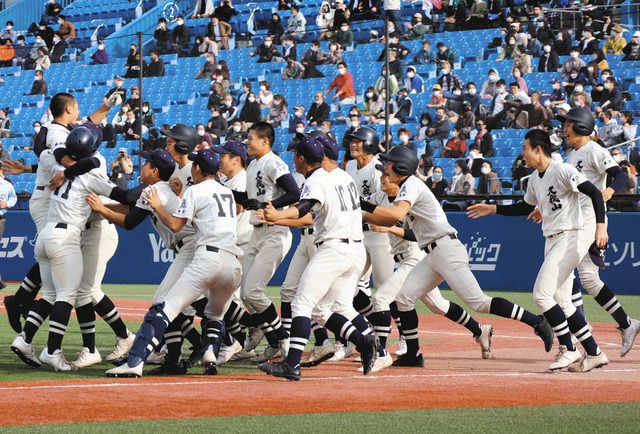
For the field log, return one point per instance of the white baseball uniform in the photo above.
(268, 244)
(593, 161)
(446, 258)
(324, 279)
(556, 193)
(244, 228)
(379, 258)
(214, 271)
(184, 175)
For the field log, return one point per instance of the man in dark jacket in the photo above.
(319, 110)
(266, 51)
(57, 50)
(46, 33)
(156, 67)
(180, 35)
(217, 126)
(611, 98)
(225, 11)
(162, 37)
(311, 58)
(39, 86)
(117, 87)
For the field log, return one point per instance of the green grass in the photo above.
(11, 369)
(615, 417)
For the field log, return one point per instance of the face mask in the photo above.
(56, 40)
(574, 76)
(227, 103)
(36, 130)
(145, 109)
(200, 133)
(457, 92)
(219, 67)
(332, 48)
(493, 78)
(437, 93)
(439, 117)
(404, 138)
(574, 55)
(618, 158)
(263, 88)
(512, 42)
(124, 110)
(485, 170)
(411, 74)
(446, 71)
(437, 176)
(180, 22)
(547, 103)
(59, 21)
(267, 43)
(424, 122)
(344, 28)
(590, 69)
(578, 88)
(472, 91)
(9, 27)
(605, 76)
(36, 78)
(547, 49)
(608, 86)
(101, 47)
(457, 171)
(237, 128)
(341, 71)
(300, 130)
(252, 99)
(502, 90)
(479, 127)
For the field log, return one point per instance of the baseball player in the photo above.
(268, 181)
(595, 163)
(321, 292)
(555, 187)
(214, 269)
(446, 258)
(59, 255)
(407, 254)
(8, 199)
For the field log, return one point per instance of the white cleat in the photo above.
(341, 352)
(86, 358)
(227, 352)
(210, 362)
(319, 354)
(121, 348)
(589, 362)
(243, 355)
(485, 340)
(255, 336)
(156, 358)
(380, 363)
(56, 360)
(126, 371)
(25, 351)
(267, 354)
(402, 347)
(565, 358)
(629, 336)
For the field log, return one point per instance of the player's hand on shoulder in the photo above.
(95, 202)
(57, 180)
(176, 186)
(535, 216)
(152, 197)
(480, 210)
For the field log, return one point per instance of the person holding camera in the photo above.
(122, 163)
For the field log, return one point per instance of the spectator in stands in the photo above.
(319, 110)
(39, 86)
(466, 120)
(202, 9)
(404, 108)
(425, 56)
(46, 118)
(632, 183)
(100, 56)
(296, 26)
(134, 101)
(180, 36)
(217, 125)
(421, 133)
(33, 53)
(67, 30)
(615, 43)
(497, 110)
(415, 29)
(204, 138)
(123, 162)
(236, 133)
(334, 56)
(404, 138)
(278, 112)
(274, 28)
(311, 58)
(289, 50)
(117, 87)
(242, 98)
(221, 76)
(343, 83)
(395, 46)
(593, 75)
(343, 36)
(8, 32)
(558, 95)
(518, 77)
(580, 99)
(445, 54)
(341, 16)
(364, 9)
(632, 49)
(436, 182)
(520, 170)
(53, 9)
(522, 61)
(266, 51)
(57, 50)
(599, 58)
(515, 104)
(298, 118)
(265, 96)
(453, 105)
(533, 47)
(380, 82)
(509, 48)
(45, 33)
(448, 80)
(610, 132)
(119, 120)
(549, 60)
(162, 37)
(437, 98)
(392, 10)
(474, 160)
(324, 19)
(611, 98)
(6, 53)
(208, 45)
(395, 66)
(148, 118)
(20, 51)
(489, 182)
(462, 182)
(438, 130)
(588, 44)
(250, 112)
(208, 68)
(629, 128)
(490, 86)
(131, 57)
(156, 67)
(293, 71)
(227, 110)
(413, 83)
(215, 95)
(226, 11)
(562, 44)
(218, 30)
(43, 62)
(456, 146)
(574, 63)
(483, 139)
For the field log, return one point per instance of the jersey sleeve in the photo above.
(602, 160)
(142, 200)
(312, 190)
(409, 191)
(100, 185)
(186, 209)
(530, 194)
(570, 177)
(376, 198)
(278, 168)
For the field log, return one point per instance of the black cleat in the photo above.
(2, 285)
(406, 360)
(195, 357)
(169, 368)
(282, 370)
(14, 311)
(210, 368)
(544, 330)
(369, 353)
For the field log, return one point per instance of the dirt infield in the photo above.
(455, 377)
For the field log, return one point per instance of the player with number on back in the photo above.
(556, 189)
(446, 259)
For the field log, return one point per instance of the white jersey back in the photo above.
(210, 207)
(261, 177)
(57, 136)
(244, 229)
(593, 161)
(46, 169)
(367, 179)
(556, 194)
(398, 245)
(96, 216)
(184, 175)
(170, 203)
(426, 217)
(68, 202)
(337, 205)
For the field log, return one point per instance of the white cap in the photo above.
(565, 107)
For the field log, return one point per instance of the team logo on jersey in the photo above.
(262, 189)
(553, 199)
(190, 181)
(366, 188)
(579, 166)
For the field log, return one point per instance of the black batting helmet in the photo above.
(584, 122)
(405, 160)
(368, 135)
(185, 137)
(80, 143)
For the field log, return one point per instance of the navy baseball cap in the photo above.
(161, 160)
(597, 255)
(207, 160)
(331, 147)
(307, 146)
(232, 147)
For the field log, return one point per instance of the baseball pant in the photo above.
(212, 274)
(2, 224)
(39, 209)
(448, 261)
(303, 254)
(60, 259)
(179, 264)
(379, 257)
(98, 245)
(267, 248)
(344, 304)
(236, 294)
(562, 254)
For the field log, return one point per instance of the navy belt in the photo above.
(62, 226)
(365, 227)
(555, 235)
(429, 247)
(40, 187)
(212, 249)
(306, 231)
(342, 240)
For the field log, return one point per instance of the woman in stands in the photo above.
(250, 112)
(274, 28)
(518, 78)
(265, 96)
(563, 43)
(278, 112)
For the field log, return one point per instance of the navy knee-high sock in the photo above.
(213, 335)
(36, 316)
(362, 303)
(232, 320)
(285, 315)
(381, 322)
(173, 339)
(190, 333)
(319, 333)
(361, 323)
(395, 315)
(409, 330)
(457, 314)
(58, 322)
(199, 306)
(29, 287)
(506, 309)
(580, 329)
(108, 312)
(87, 321)
(610, 303)
(272, 326)
(558, 322)
(300, 331)
(342, 327)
